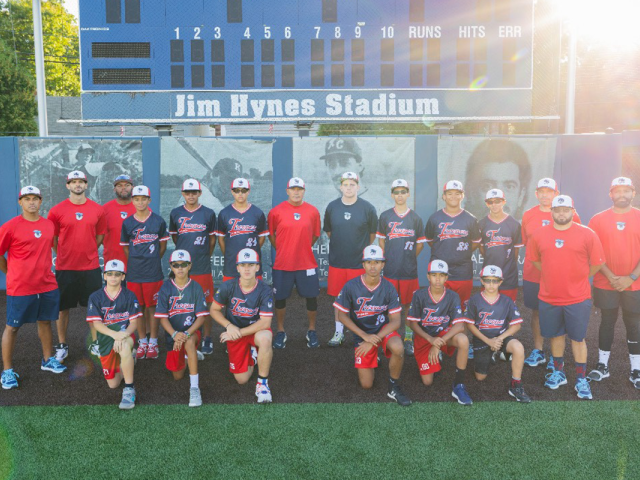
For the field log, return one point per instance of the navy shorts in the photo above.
(559, 320)
(610, 299)
(41, 307)
(530, 291)
(76, 286)
(306, 282)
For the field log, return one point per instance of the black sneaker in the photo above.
(206, 347)
(398, 395)
(599, 373)
(519, 394)
(635, 378)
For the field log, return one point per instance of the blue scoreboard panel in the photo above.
(217, 61)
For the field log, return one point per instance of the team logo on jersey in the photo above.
(189, 321)
(123, 215)
(141, 237)
(546, 222)
(79, 215)
(559, 243)
(430, 320)
(347, 216)
(396, 232)
(270, 304)
(296, 216)
(239, 310)
(37, 233)
(110, 317)
(447, 233)
(366, 310)
(620, 225)
(176, 308)
(185, 227)
(496, 240)
(237, 229)
(487, 323)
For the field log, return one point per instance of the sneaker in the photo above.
(408, 348)
(9, 379)
(519, 394)
(336, 340)
(141, 352)
(94, 349)
(312, 339)
(535, 358)
(635, 378)
(62, 352)
(583, 388)
(494, 358)
(281, 340)
(195, 399)
(128, 398)
(200, 355)
(263, 393)
(470, 352)
(52, 365)
(551, 366)
(398, 395)
(555, 379)
(206, 347)
(599, 373)
(254, 355)
(460, 394)
(153, 351)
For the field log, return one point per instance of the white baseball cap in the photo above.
(191, 185)
(180, 256)
(494, 193)
(399, 183)
(114, 266)
(247, 255)
(562, 201)
(240, 183)
(438, 266)
(349, 176)
(453, 185)
(29, 190)
(491, 271)
(621, 182)
(547, 183)
(372, 252)
(140, 191)
(76, 175)
(295, 182)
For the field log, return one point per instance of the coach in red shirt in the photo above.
(79, 230)
(617, 284)
(567, 254)
(294, 226)
(115, 212)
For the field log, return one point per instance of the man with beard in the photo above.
(116, 211)
(616, 284)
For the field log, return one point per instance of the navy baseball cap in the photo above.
(122, 178)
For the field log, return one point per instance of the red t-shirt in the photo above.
(532, 220)
(30, 257)
(76, 227)
(566, 256)
(294, 228)
(115, 215)
(620, 237)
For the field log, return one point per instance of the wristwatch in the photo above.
(633, 277)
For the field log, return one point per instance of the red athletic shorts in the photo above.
(370, 359)
(339, 276)
(146, 293)
(421, 348)
(224, 279)
(111, 363)
(512, 294)
(462, 288)
(175, 359)
(206, 282)
(240, 354)
(405, 289)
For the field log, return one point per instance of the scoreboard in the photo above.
(220, 61)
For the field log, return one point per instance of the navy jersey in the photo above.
(143, 240)
(452, 239)
(369, 309)
(244, 308)
(240, 230)
(401, 233)
(115, 313)
(180, 305)
(351, 227)
(435, 317)
(194, 230)
(492, 319)
(499, 241)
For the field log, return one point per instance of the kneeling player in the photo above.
(436, 318)
(369, 306)
(182, 309)
(495, 320)
(113, 311)
(248, 310)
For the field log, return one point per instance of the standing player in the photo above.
(400, 236)
(532, 220)
(244, 307)
(32, 291)
(370, 307)
(80, 226)
(350, 223)
(192, 227)
(294, 226)
(501, 241)
(181, 309)
(436, 318)
(144, 239)
(616, 284)
(115, 212)
(567, 254)
(113, 311)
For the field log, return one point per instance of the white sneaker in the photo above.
(62, 352)
(254, 354)
(94, 349)
(336, 340)
(195, 399)
(263, 393)
(200, 355)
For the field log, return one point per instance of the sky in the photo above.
(72, 7)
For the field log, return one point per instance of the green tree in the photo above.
(60, 38)
(18, 107)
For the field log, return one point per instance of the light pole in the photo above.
(40, 78)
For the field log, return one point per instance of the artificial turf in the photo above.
(497, 440)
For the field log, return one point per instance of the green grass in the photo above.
(545, 440)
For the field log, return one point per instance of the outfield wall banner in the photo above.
(378, 161)
(215, 163)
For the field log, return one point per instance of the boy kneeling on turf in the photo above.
(435, 317)
(182, 309)
(113, 311)
(248, 310)
(493, 319)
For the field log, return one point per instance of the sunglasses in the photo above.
(494, 202)
(240, 190)
(180, 265)
(113, 274)
(491, 281)
(400, 192)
